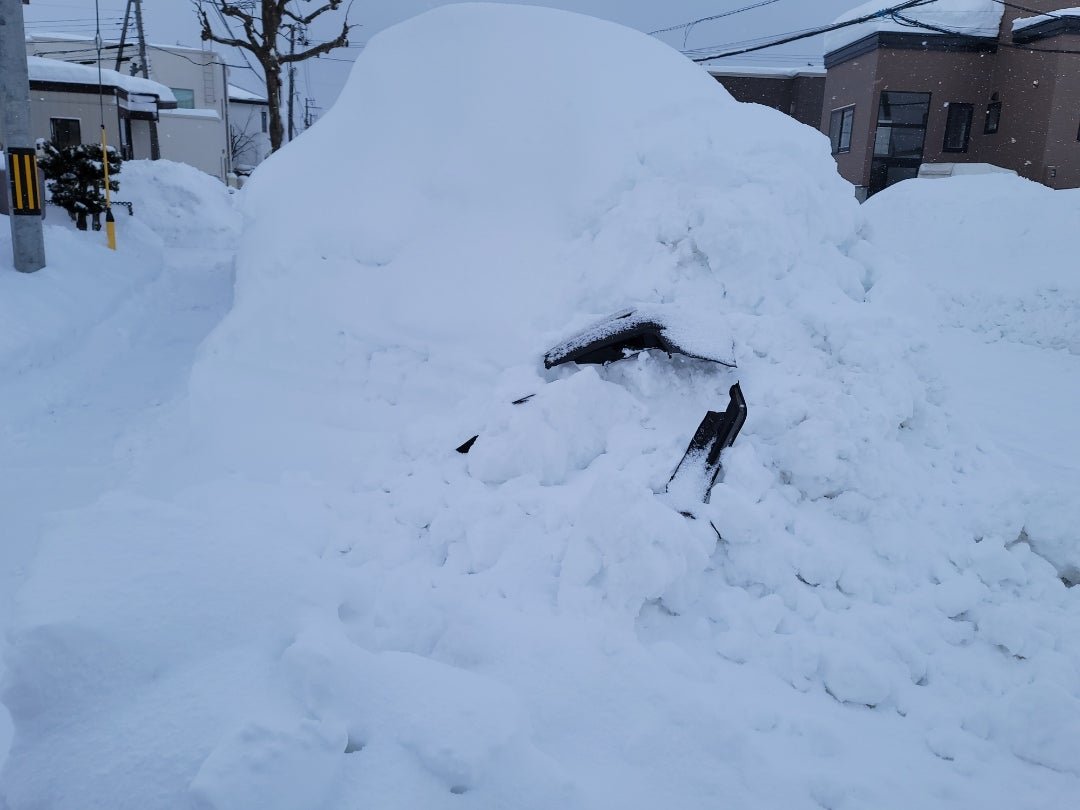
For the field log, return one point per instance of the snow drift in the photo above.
(997, 296)
(313, 601)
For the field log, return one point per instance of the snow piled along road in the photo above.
(305, 598)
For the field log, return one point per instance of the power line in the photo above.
(824, 29)
(712, 17)
(930, 27)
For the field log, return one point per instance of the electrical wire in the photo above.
(712, 17)
(824, 29)
(910, 23)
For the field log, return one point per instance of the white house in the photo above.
(193, 127)
(66, 108)
(249, 125)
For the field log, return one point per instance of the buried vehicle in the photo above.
(628, 333)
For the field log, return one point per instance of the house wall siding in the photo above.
(949, 78)
(193, 139)
(800, 97)
(852, 83)
(1062, 147)
(47, 104)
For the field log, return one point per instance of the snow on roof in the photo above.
(187, 112)
(240, 94)
(765, 71)
(1026, 22)
(43, 69)
(979, 18)
(49, 36)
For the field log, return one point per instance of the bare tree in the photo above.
(240, 141)
(264, 24)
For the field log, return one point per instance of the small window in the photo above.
(185, 99)
(840, 125)
(65, 132)
(958, 128)
(265, 121)
(993, 118)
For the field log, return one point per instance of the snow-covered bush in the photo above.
(76, 178)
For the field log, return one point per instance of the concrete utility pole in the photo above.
(23, 189)
(144, 64)
(292, 80)
(123, 37)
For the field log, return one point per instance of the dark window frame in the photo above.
(63, 143)
(993, 118)
(837, 119)
(967, 111)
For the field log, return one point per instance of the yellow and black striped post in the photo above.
(25, 188)
(110, 222)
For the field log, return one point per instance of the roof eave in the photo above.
(909, 41)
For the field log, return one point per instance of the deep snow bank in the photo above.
(182, 205)
(45, 314)
(991, 279)
(319, 604)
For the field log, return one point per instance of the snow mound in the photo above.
(993, 270)
(45, 314)
(177, 201)
(316, 602)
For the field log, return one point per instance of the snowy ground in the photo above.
(103, 352)
(264, 578)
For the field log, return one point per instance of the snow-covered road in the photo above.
(75, 428)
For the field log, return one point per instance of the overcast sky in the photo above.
(173, 22)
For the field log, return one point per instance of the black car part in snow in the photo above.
(624, 333)
(700, 465)
(627, 333)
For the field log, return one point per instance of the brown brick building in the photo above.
(798, 92)
(896, 99)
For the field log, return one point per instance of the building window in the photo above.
(185, 99)
(958, 128)
(264, 116)
(840, 125)
(899, 139)
(993, 116)
(65, 132)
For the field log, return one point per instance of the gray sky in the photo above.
(172, 22)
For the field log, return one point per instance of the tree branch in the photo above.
(332, 5)
(207, 33)
(340, 41)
